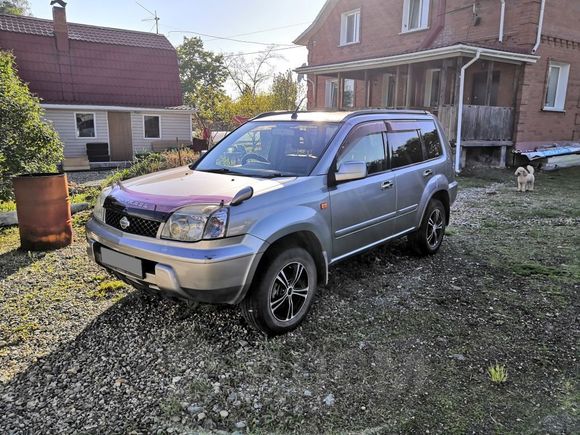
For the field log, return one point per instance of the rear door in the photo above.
(414, 161)
(363, 210)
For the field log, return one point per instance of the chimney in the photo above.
(60, 28)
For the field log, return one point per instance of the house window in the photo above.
(350, 27)
(85, 123)
(558, 74)
(348, 93)
(432, 80)
(389, 85)
(152, 126)
(331, 95)
(415, 15)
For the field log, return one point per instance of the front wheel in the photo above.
(428, 238)
(282, 294)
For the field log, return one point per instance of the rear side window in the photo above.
(365, 144)
(405, 144)
(431, 139)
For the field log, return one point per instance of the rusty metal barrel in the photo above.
(43, 210)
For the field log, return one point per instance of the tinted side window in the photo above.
(431, 139)
(365, 144)
(406, 148)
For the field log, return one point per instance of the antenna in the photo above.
(154, 15)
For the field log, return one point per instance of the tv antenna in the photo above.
(154, 16)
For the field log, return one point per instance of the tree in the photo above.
(284, 91)
(249, 75)
(203, 75)
(27, 143)
(15, 7)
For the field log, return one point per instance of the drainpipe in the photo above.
(460, 110)
(501, 20)
(437, 27)
(540, 25)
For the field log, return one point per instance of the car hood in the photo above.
(169, 190)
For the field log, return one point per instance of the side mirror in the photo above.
(351, 171)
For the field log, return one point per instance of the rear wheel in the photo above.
(428, 238)
(282, 293)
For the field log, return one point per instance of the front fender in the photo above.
(293, 220)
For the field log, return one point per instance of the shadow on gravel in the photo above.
(13, 260)
(394, 342)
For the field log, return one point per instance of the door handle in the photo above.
(386, 185)
(427, 172)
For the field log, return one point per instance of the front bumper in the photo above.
(214, 271)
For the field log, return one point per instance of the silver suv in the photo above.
(260, 218)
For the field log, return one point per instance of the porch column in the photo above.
(367, 90)
(397, 83)
(340, 91)
(489, 82)
(315, 92)
(409, 83)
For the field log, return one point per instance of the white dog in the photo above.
(526, 178)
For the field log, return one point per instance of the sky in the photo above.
(261, 22)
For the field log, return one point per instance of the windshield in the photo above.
(270, 149)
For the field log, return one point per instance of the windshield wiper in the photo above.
(223, 171)
(276, 175)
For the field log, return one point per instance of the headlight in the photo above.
(99, 211)
(193, 223)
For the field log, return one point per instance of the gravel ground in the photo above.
(89, 178)
(394, 343)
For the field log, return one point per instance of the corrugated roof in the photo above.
(84, 32)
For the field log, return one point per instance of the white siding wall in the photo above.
(172, 125)
(65, 124)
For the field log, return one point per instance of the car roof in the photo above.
(336, 116)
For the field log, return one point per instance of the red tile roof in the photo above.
(84, 32)
(100, 66)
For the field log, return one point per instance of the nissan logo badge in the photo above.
(124, 222)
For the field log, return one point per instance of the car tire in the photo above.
(428, 238)
(282, 292)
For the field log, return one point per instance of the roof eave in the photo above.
(303, 38)
(420, 56)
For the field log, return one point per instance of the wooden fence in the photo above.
(480, 123)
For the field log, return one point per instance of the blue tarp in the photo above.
(551, 152)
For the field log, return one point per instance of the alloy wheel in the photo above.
(289, 291)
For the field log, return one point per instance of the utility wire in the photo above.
(265, 30)
(228, 39)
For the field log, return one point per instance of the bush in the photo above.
(27, 143)
(154, 162)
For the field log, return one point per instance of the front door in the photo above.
(120, 138)
(363, 210)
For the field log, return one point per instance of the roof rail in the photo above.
(273, 112)
(385, 111)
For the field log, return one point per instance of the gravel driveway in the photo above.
(394, 343)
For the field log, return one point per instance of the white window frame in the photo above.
(424, 8)
(144, 133)
(385, 91)
(328, 93)
(429, 85)
(344, 30)
(344, 92)
(561, 87)
(77, 129)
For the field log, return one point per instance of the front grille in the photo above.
(137, 225)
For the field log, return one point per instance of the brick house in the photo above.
(118, 89)
(511, 67)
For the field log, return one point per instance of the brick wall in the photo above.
(535, 127)
(381, 35)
